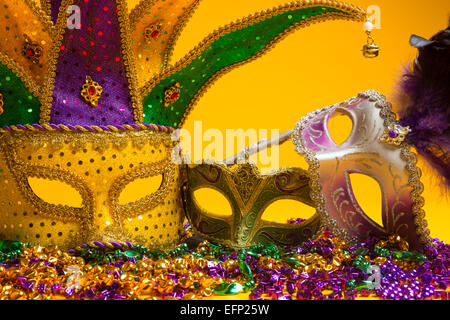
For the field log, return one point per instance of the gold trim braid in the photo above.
(35, 90)
(168, 52)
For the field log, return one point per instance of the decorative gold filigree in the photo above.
(133, 209)
(153, 31)
(31, 50)
(394, 134)
(91, 91)
(22, 74)
(144, 13)
(2, 104)
(172, 94)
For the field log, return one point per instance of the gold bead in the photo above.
(336, 261)
(379, 260)
(127, 277)
(328, 267)
(143, 265)
(165, 286)
(97, 269)
(53, 260)
(189, 296)
(207, 292)
(17, 295)
(309, 257)
(87, 268)
(230, 264)
(128, 266)
(190, 259)
(146, 286)
(79, 261)
(180, 264)
(108, 279)
(201, 263)
(185, 282)
(162, 265)
(24, 262)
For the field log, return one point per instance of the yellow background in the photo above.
(312, 68)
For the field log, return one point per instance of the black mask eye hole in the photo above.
(55, 192)
(140, 188)
(283, 210)
(212, 201)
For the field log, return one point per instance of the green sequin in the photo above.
(20, 107)
(231, 48)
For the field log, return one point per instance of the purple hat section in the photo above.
(54, 9)
(92, 49)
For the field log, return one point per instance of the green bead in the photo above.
(131, 254)
(351, 284)
(10, 245)
(226, 289)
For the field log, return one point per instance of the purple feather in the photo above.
(426, 109)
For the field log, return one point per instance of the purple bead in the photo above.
(69, 291)
(290, 286)
(41, 287)
(393, 134)
(56, 287)
(90, 293)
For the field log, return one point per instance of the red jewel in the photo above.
(30, 52)
(155, 34)
(174, 96)
(92, 90)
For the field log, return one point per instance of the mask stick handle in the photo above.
(261, 145)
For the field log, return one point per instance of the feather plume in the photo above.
(426, 109)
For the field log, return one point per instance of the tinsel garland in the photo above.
(324, 268)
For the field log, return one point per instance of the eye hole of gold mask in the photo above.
(367, 193)
(55, 192)
(340, 126)
(139, 188)
(284, 209)
(212, 201)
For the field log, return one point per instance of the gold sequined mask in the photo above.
(99, 168)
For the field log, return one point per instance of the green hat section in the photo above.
(232, 48)
(20, 106)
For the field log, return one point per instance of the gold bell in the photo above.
(370, 50)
